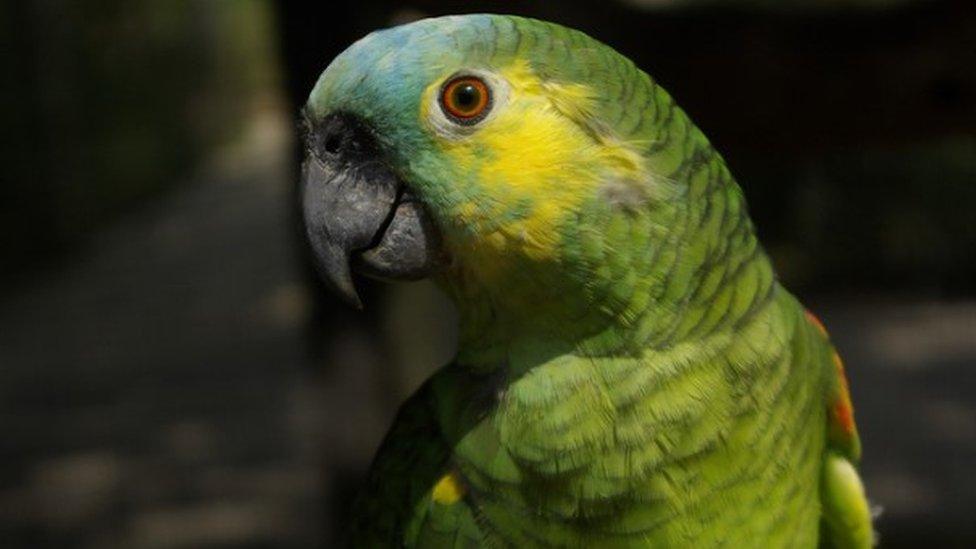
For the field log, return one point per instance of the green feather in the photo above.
(650, 385)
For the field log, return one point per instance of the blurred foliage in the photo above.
(106, 103)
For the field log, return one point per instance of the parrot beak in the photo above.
(359, 216)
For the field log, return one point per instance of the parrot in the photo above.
(629, 370)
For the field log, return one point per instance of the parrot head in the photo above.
(504, 157)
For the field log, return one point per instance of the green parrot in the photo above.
(630, 373)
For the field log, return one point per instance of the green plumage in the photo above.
(650, 384)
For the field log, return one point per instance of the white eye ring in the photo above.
(450, 127)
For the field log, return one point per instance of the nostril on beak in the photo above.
(338, 136)
(332, 143)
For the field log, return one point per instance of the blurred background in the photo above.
(172, 375)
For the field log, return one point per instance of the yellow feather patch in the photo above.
(448, 490)
(846, 507)
(535, 160)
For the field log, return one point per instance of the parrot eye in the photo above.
(466, 100)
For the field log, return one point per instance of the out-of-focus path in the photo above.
(158, 391)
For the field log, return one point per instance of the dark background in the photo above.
(171, 375)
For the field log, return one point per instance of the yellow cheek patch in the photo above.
(535, 160)
(448, 490)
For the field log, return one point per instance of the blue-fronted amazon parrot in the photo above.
(629, 373)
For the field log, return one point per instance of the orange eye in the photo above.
(466, 99)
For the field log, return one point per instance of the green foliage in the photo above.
(113, 101)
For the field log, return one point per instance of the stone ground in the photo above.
(167, 388)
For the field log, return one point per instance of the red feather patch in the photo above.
(812, 319)
(842, 410)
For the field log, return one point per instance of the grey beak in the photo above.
(358, 214)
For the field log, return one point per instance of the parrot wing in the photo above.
(413, 497)
(846, 514)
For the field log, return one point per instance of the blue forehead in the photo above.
(384, 74)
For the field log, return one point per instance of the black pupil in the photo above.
(466, 97)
